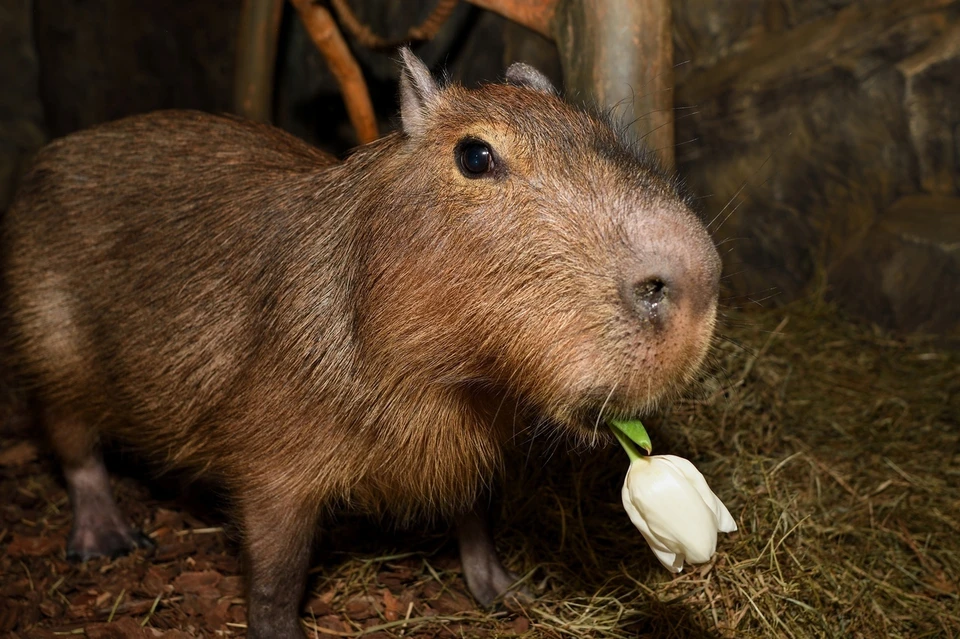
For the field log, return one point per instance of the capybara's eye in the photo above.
(475, 157)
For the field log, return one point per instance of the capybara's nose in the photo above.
(650, 297)
(661, 288)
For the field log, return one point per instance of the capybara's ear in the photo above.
(418, 92)
(524, 75)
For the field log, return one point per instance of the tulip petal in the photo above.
(671, 561)
(725, 522)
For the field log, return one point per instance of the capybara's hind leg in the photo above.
(99, 529)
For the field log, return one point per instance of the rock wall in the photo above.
(835, 134)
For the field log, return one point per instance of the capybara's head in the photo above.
(522, 249)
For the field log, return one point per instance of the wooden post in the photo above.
(619, 53)
(256, 58)
(614, 53)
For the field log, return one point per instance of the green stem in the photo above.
(628, 446)
(633, 430)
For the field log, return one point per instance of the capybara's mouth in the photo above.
(591, 422)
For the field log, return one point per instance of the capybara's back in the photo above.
(145, 268)
(367, 334)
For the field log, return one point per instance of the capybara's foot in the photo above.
(99, 529)
(104, 539)
(493, 582)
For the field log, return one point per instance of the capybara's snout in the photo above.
(664, 288)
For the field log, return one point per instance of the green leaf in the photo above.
(635, 432)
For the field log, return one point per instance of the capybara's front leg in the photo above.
(279, 534)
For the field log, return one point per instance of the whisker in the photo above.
(729, 275)
(596, 426)
(676, 119)
(766, 290)
(743, 347)
(732, 198)
(724, 221)
(731, 239)
(763, 299)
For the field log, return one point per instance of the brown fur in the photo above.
(316, 334)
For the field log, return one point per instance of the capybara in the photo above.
(366, 335)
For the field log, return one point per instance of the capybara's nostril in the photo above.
(650, 292)
(648, 297)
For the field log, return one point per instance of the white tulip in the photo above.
(669, 502)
